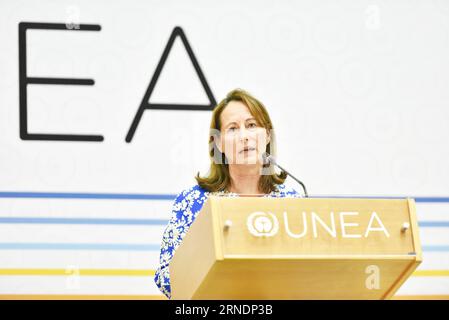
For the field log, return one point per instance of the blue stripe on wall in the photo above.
(417, 199)
(63, 195)
(432, 199)
(151, 222)
(132, 196)
(435, 248)
(79, 246)
(121, 247)
(92, 221)
(433, 224)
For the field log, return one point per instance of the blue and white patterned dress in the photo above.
(185, 209)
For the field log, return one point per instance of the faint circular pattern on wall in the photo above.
(10, 74)
(189, 152)
(11, 157)
(431, 124)
(285, 33)
(356, 78)
(18, 10)
(410, 170)
(94, 163)
(87, 112)
(37, 111)
(422, 79)
(412, 5)
(108, 71)
(355, 164)
(132, 27)
(53, 166)
(322, 167)
(379, 41)
(442, 6)
(326, 123)
(9, 116)
(305, 123)
(439, 173)
(403, 80)
(73, 113)
(382, 124)
(179, 144)
(48, 66)
(235, 32)
(400, 7)
(295, 129)
(306, 76)
(191, 20)
(431, 35)
(331, 34)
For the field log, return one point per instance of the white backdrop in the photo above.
(358, 92)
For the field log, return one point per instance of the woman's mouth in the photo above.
(248, 149)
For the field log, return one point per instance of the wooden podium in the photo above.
(297, 248)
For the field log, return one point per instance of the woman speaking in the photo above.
(241, 132)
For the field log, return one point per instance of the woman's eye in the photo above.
(231, 129)
(252, 125)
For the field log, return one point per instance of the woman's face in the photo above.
(242, 139)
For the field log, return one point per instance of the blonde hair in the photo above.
(218, 177)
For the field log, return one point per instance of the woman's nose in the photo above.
(243, 134)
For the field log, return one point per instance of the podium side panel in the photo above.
(417, 247)
(415, 230)
(194, 257)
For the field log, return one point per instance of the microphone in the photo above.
(270, 159)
